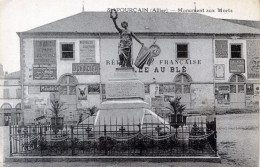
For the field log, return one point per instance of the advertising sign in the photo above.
(219, 71)
(45, 73)
(82, 92)
(49, 88)
(146, 88)
(166, 88)
(222, 94)
(87, 51)
(221, 48)
(93, 89)
(253, 58)
(86, 68)
(237, 65)
(44, 51)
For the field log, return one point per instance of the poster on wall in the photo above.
(86, 68)
(219, 71)
(103, 87)
(87, 51)
(221, 48)
(222, 94)
(253, 58)
(49, 88)
(44, 72)
(237, 65)
(94, 89)
(166, 88)
(82, 92)
(44, 51)
(146, 88)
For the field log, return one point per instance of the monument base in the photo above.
(125, 103)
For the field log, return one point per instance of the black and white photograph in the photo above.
(120, 83)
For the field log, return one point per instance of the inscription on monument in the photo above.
(124, 89)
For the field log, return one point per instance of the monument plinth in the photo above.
(125, 99)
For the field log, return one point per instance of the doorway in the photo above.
(237, 91)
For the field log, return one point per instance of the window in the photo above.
(68, 85)
(6, 93)
(182, 84)
(182, 51)
(67, 51)
(237, 84)
(235, 51)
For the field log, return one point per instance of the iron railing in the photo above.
(124, 139)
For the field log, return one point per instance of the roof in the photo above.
(100, 22)
(249, 23)
(13, 75)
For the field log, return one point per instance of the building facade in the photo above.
(10, 102)
(211, 63)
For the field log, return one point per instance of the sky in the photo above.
(23, 15)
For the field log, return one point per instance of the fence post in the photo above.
(72, 140)
(41, 142)
(10, 139)
(105, 133)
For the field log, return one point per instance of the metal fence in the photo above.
(147, 139)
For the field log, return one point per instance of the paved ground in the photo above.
(135, 164)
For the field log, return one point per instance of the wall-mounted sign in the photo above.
(249, 89)
(219, 71)
(94, 89)
(103, 86)
(166, 88)
(45, 73)
(146, 88)
(222, 94)
(253, 58)
(221, 48)
(87, 51)
(49, 88)
(82, 92)
(237, 65)
(44, 51)
(86, 68)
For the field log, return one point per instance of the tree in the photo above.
(92, 110)
(176, 108)
(57, 107)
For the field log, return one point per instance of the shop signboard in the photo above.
(237, 65)
(44, 51)
(87, 51)
(86, 68)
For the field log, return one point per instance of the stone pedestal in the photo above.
(125, 100)
(125, 103)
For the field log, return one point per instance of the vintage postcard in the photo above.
(129, 83)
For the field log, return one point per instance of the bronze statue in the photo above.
(125, 44)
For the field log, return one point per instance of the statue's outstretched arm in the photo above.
(135, 37)
(118, 29)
